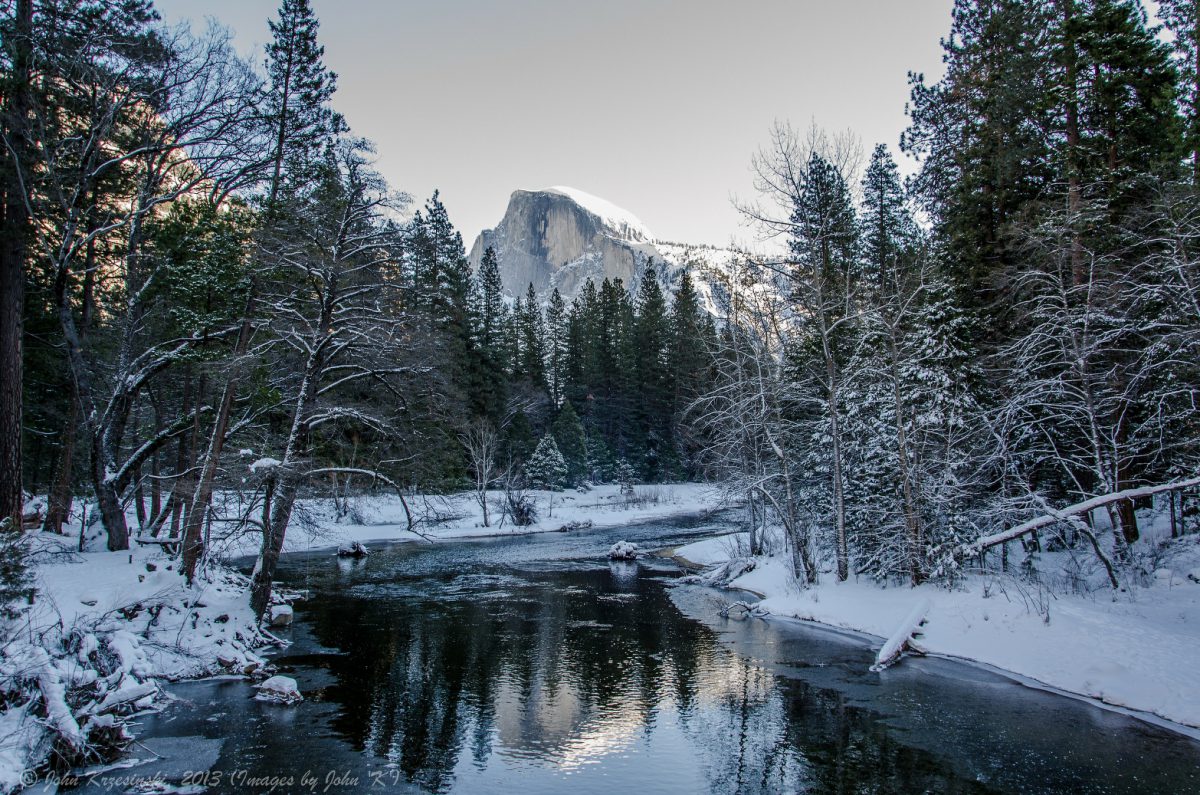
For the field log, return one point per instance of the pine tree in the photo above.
(572, 442)
(489, 350)
(557, 348)
(440, 269)
(491, 312)
(889, 233)
(303, 128)
(980, 133)
(546, 468)
(687, 352)
(582, 325)
(297, 105)
(908, 400)
(692, 338)
(600, 461)
(531, 340)
(441, 291)
(824, 261)
(1182, 18)
(614, 371)
(650, 349)
(625, 474)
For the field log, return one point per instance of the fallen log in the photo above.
(904, 638)
(1061, 514)
(747, 609)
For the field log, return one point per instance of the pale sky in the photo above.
(654, 105)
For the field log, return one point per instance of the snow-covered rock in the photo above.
(281, 615)
(279, 690)
(353, 549)
(623, 550)
(559, 238)
(623, 222)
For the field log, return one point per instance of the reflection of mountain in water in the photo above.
(584, 666)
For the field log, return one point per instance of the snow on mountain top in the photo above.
(616, 217)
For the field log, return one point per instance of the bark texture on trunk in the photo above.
(15, 227)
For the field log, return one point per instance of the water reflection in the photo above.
(535, 666)
(499, 674)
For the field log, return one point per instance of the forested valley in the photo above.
(215, 312)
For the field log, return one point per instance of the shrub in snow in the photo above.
(623, 550)
(279, 690)
(546, 468)
(519, 508)
(15, 584)
(626, 476)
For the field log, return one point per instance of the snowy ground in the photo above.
(1134, 649)
(382, 519)
(103, 627)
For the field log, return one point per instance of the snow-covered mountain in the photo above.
(560, 237)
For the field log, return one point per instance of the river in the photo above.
(531, 664)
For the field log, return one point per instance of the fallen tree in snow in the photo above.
(904, 638)
(1071, 514)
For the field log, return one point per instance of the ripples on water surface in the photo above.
(533, 665)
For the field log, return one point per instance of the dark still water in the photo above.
(533, 665)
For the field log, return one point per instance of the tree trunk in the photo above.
(1125, 508)
(912, 521)
(1194, 121)
(58, 503)
(272, 546)
(839, 496)
(58, 507)
(1174, 526)
(15, 227)
(193, 540)
(185, 479)
(109, 501)
(1074, 187)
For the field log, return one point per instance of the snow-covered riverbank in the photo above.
(105, 625)
(382, 518)
(1134, 649)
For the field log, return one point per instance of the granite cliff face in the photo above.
(561, 237)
